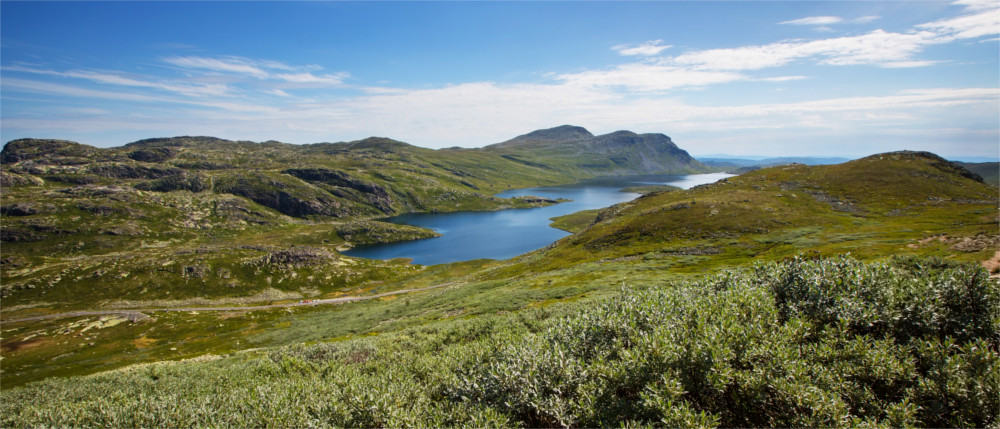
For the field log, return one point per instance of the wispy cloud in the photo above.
(112, 78)
(824, 21)
(39, 87)
(643, 77)
(238, 97)
(69, 90)
(229, 65)
(815, 20)
(879, 47)
(652, 47)
(263, 70)
(866, 19)
(984, 22)
(781, 78)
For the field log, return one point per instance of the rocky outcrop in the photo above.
(300, 256)
(13, 179)
(177, 182)
(374, 194)
(25, 209)
(47, 151)
(285, 196)
(159, 154)
(127, 171)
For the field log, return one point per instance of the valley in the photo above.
(228, 261)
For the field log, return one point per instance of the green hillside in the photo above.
(653, 312)
(172, 219)
(879, 205)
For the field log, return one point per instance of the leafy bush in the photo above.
(833, 342)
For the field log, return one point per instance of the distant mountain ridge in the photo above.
(617, 153)
(549, 136)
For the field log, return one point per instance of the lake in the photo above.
(508, 233)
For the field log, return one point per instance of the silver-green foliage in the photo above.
(833, 342)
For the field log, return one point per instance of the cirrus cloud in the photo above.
(652, 47)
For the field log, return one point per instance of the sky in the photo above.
(784, 78)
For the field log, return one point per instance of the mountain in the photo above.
(76, 216)
(547, 137)
(681, 308)
(570, 148)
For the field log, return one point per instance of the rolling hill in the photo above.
(872, 206)
(714, 292)
(83, 225)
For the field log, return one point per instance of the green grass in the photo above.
(649, 189)
(800, 343)
(575, 222)
(869, 207)
(440, 351)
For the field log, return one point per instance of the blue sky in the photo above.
(747, 78)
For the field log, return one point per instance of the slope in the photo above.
(909, 203)
(882, 204)
(174, 219)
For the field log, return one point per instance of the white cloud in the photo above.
(815, 20)
(73, 91)
(111, 78)
(643, 77)
(977, 5)
(650, 48)
(260, 69)
(781, 78)
(232, 65)
(257, 101)
(823, 21)
(865, 19)
(85, 93)
(874, 48)
(985, 22)
(278, 92)
(331, 79)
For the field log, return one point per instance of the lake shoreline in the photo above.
(505, 234)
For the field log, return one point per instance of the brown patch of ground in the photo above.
(14, 346)
(993, 265)
(143, 342)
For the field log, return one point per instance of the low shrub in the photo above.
(817, 343)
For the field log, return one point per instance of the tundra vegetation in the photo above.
(730, 304)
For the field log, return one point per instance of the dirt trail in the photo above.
(138, 314)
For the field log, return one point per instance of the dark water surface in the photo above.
(508, 233)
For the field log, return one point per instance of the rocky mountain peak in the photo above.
(556, 135)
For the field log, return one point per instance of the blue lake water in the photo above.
(508, 233)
